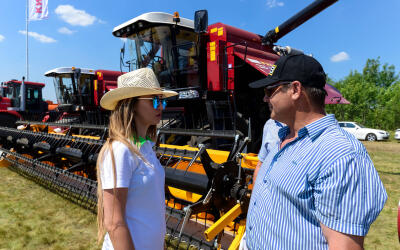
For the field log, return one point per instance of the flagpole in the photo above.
(27, 20)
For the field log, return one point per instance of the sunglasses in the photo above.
(156, 101)
(270, 91)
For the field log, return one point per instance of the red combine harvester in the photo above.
(81, 89)
(209, 132)
(215, 123)
(59, 148)
(19, 98)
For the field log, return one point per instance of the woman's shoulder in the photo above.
(121, 150)
(120, 146)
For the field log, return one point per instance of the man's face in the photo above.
(278, 101)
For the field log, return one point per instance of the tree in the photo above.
(374, 95)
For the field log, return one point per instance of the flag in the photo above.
(38, 10)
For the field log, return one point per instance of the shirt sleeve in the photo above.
(349, 195)
(263, 150)
(270, 136)
(125, 165)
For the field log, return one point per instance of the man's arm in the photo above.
(338, 240)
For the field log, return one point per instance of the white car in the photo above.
(363, 133)
(397, 134)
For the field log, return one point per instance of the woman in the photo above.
(131, 202)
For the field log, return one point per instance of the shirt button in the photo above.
(251, 227)
(265, 181)
(254, 203)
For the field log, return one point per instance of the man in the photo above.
(317, 187)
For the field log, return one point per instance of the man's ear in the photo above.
(296, 90)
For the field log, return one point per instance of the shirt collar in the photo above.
(140, 141)
(316, 128)
(313, 129)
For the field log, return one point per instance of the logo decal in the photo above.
(273, 67)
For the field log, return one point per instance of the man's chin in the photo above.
(273, 116)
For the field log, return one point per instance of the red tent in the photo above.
(334, 96)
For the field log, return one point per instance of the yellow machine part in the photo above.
(226, 223)
(249, 161)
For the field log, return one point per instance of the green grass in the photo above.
(31, 217)
(386, 158)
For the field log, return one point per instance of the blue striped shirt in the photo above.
(270, 135)
(323, 176)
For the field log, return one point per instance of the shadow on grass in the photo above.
(389, 173)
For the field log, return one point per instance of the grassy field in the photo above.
(31, 217)
(383, 232)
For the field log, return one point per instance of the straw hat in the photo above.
(136, 83)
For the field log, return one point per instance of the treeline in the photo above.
(374, 95)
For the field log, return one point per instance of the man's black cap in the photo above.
(302, 68)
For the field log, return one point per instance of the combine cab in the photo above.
(208, 135)
(78, 93)
(19, 99)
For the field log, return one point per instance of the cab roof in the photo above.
(67, 70)
(128, 28)
(27, 83)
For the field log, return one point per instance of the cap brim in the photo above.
(111, 98)
(263, 82)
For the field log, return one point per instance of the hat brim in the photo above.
(263, 82)
(110, 99)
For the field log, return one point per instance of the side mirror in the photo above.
(200, 21)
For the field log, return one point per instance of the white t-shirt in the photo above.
(145, 206)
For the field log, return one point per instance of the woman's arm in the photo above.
(115, 223)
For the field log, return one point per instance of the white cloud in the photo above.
(341, 56)
(39, 37)
(274, 3)
(66, 31)
(1, 38)
(74, 16)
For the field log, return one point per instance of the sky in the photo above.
(79, 33)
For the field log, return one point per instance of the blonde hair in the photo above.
(121, 128)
